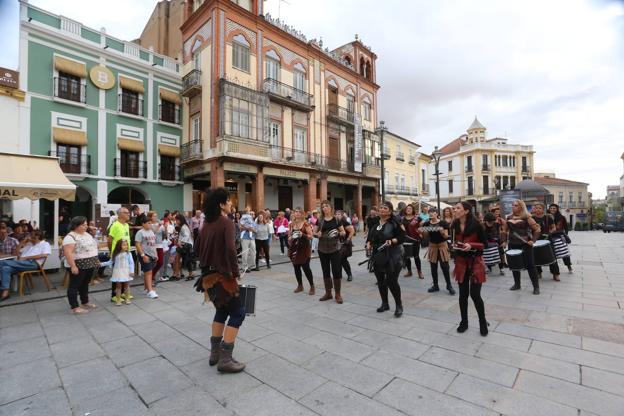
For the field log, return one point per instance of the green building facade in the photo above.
(108, 109)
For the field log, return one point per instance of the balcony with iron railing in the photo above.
(191, 83)
(400, 156)
(285, 94)
(340, 114)
(130, 169)
(469, 169)
(191, 150)
(485, 167)
(169, 114)
(130, 104)
(71, 90)
(385, 153)
(526, 169)
(168, 172)
(412, 160)
(73, 164)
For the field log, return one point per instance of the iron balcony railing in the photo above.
(73, 164)
(412, 160)
(469, 168)
(191, 83)
(191, 150)
(169, 114)
(289, 95)
(130, 104)
(340, 114)
(486, 191)
(168, 172)
(525, 168)
(70, 89)
(130, 168)
(485, 167)
(400, 156)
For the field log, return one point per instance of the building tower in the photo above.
(476, 132)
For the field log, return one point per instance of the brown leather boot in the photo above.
(312, 291)
(226, 363)
(328, 289)
(337, 285)
(215, 350)
(298, 289)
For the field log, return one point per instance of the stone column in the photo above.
(358, 199)
(310, 194)
(375, 197)
(217, 175)
(323, 190)
(259, 189)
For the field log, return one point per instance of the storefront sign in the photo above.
(370, 183)
(358, 143)
(102, 77)
(286, 173)
(239, 167)
(9, 78)
(341, 179)
(196, 170)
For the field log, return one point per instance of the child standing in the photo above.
(123, 271)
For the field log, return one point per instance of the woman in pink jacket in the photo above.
(281, 230)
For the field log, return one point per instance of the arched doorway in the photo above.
(126, 195)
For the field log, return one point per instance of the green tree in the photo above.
(599, 214)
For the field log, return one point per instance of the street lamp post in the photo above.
(382, 128)
(436, 157)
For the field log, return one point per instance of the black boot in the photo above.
(215, 349)
(434, 288)
(483, 327)
(383, 294)
(516, 285)
(384, 307)
(398, 312)
(463, 326)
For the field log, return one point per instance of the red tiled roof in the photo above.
(453, 146)
(556, 181)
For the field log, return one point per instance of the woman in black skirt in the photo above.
(385, 240)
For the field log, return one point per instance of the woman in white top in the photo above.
(81, 254)
(184, 249)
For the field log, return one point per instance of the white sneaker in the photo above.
(152, 295)
(262, 261)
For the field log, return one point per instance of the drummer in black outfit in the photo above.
(547, 226)
(411, 222)
(385, 240)
(438, 251)
(522, 231)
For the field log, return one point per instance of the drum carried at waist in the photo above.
(515, 259)
(247, 294)
(543, 253)
(491, 254)
(560, 247)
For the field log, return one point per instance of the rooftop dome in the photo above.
(530, 186)
(476, 125)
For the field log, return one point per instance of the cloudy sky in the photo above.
(546, 73)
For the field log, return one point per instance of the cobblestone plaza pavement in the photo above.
(559, 353)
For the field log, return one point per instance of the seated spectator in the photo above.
(8, 244)
(32, 252)
(20, 233)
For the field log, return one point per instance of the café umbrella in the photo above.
(33, 177)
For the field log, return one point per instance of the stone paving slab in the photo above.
(558, 353)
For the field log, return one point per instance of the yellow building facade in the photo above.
(406, 170)
(572, 197)
(473, 167)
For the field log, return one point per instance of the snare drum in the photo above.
(491, 254)
(247, 294)
(543, 253)
(515, 259)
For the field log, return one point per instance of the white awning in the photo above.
(33, 177)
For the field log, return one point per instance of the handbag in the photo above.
(346, 249)
(88, 263)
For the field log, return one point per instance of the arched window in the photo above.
(240, 53)
(362, 64)
(368, 73)
(299, 76)
(272, 65)
(347, 58)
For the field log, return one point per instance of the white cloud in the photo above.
(546, 73)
